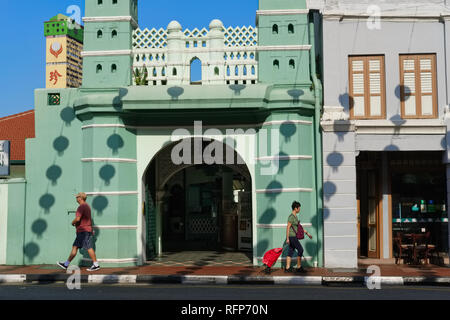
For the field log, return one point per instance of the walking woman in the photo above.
(291, 239)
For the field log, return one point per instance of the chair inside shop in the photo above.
(424, 249)
(404, 249)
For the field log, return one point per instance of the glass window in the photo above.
(419, 199)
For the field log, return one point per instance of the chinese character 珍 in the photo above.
(54, 76)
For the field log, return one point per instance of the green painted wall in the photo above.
(281, 4)
(96, 141)
(106, 8)
(53, 178)
(16, 219)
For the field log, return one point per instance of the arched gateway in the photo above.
(197, 205)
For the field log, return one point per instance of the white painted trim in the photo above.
(112, 278)
(197, 50)
(284, 48)
(237, 126)
(104, 53)
(111, 19)
(278, 225)
(281, 190)
(13, 278)
(112, 193)
(91, 126)
(282, 12)
(116, 227)
(126, 260)
(120, 160)
(281, 158)
(349, 16)
(411, 126)
(296, 280)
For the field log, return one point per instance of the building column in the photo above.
(387, 219)
(339, 190)
(159, 203)
(447, 161)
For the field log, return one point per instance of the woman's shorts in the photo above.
(294, 244)
(83, 240)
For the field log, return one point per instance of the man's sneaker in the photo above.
(93, 268)
(62, 265)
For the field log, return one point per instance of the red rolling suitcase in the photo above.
(270, 257)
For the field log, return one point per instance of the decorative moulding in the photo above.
(106, 53)
(112, 19)
(283, 12)
(284, 48)
(447, 113)
(334, 119)
(334, 114)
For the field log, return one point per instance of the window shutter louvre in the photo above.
(358, 83)
(367, 86)
(375, 90)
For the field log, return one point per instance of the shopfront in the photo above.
(401, 193)
(419, 194)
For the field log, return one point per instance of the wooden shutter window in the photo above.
(367, 87)
(418, 86)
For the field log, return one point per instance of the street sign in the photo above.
(4, 158)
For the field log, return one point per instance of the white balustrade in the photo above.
(227, 55)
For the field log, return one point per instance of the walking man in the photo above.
(83, 225)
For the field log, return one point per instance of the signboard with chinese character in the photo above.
(4, 158)
(56, 76)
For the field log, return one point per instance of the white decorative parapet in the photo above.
(227, 55)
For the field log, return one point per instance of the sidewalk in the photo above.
(390, 275)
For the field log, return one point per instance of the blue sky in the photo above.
(22, 53)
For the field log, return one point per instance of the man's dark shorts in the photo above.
(83, 240)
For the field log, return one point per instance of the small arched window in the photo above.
(292, 64)
(99, 34)
(114, 34)
(99, 2)
(253, 70)
(114, 68)
(174, 71)
(228, 71)
(275, 29)
(216, 71)
(99, 68)
(236, 71)
(155, 74)
(276, 64)
(163, 72)
(291, 29)
(196, 71)
(114, 1)
(245, 70)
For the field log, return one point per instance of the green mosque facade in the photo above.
(116, 140)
